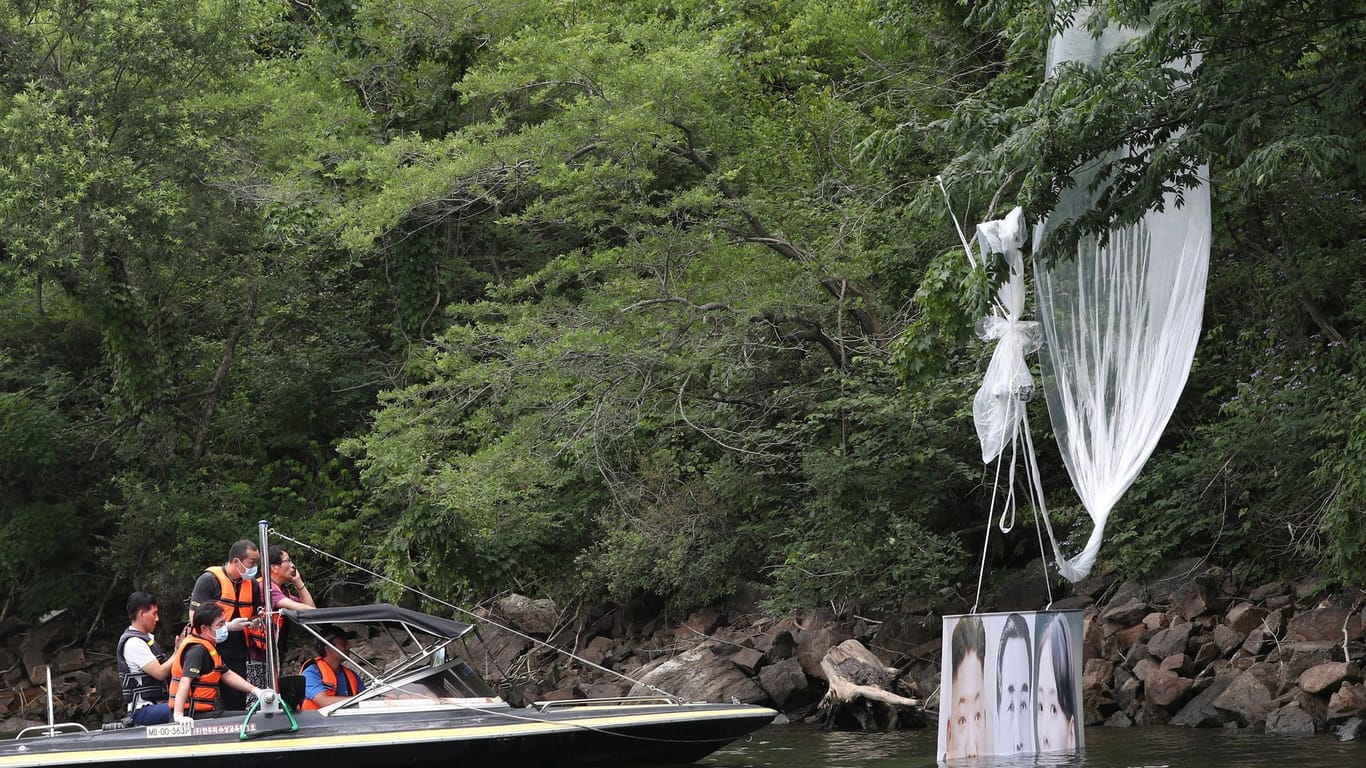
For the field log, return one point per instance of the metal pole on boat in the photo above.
(51, 715)
(272, 680)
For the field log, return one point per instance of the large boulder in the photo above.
(1171, 641)
(700, 675)
(1247, 699)
(1272, 589)
(1200, 711)
(814, 644)
(1325, 624)
(1180, 573)
(1227, 639)
(534, 617)
(899, 634)
(1192, 600)
(494, 650)
(784, 681)
(1290, 719)
(1164, 687)
(1325, 678)
(1125, 614)
(1347, 702)
(1245, 617)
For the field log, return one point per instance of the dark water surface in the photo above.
(798, 746)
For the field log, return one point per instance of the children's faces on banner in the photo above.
(1010, 684)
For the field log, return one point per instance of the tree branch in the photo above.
(220, 376)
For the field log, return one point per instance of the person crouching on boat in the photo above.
(326, 679)
(143, 666)
(197, 671)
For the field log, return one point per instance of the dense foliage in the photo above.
(592, 299)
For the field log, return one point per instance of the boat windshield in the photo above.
(455, 681)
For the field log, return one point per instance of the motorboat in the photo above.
(428, 708)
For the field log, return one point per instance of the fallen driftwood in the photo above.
(860, 692)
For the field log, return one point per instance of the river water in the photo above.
(799, 746)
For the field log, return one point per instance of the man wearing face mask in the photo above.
(231, 587)
(198, 673)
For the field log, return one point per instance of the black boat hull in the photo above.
(569, 736)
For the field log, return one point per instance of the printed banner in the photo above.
(1011, 683)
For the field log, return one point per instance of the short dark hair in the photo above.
(205, 616)
(277, 554)
(241, 549)
(1015, 629)
(969, 637)
(139, 602)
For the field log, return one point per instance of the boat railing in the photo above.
(51, 729)
(542, 706)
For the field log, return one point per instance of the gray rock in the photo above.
(1324, 624)
(1095, 584)
(1245, 617)
(1126, 614)
(1179, 663)
(1327, 677)
(605, 691)
(814, 644)
(535, 617)
(1097, 675)
(1227, 639)
(783, 681)
(1269, 590)
(1180, 573)
(1207, 652)
(1165, 688)
(1199, 712)
(1072, 602)
(700, 675)
(900, 634)
(777, 643)
(1247, 699)
(1126, 690)
(1274, 623)
(1171, 640)
(1347, 702)
(1257, 642)
(1352, 730)
(494, 651)
(68, 660)
(747, 659)
(705, 621)
(1290, 719)
(1119, 720)
(1191, 601)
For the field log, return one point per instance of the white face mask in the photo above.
(250, 573)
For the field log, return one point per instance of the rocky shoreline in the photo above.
(1193, 646)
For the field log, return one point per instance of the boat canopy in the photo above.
(381, 613)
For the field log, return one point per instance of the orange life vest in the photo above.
(237, 603)
(256, 636)
(204, 692)
(330, 680)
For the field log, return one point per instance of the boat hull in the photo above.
(569, 736)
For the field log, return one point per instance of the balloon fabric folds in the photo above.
(1120, 324)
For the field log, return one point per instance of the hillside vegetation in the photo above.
(588, 299)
